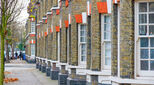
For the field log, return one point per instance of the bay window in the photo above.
(145, 37)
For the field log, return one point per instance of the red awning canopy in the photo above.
(57, 29)
(102, 7)
(45, 33)
(78, 18)
(57, 11)
(66, 3)
(66, 23)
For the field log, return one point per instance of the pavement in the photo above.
(27, 74)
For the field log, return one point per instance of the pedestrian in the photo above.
(16, 55)
(20, 55)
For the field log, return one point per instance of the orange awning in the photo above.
(34, 42)
(45, 33)
(57, 11)
(66, 3)
(102, 7)
(50, 30)
(78, 18)
(66, 23)
(57, 29)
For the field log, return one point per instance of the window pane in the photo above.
(83, 58)
(144, 65)
(152, 53)
(151, 18)
(83, 52)
(142, 18)
(144, 42)
(108, 61)
(107, 35)
(108, 45)
(143, 7)
(144, 54)
(142, 29)
(151, 30)
(82, 39)
(106, 19)
(107, 53)
(107, 27)
(151, 6)
(83, 33)
(83, 46)
(152, 42)
(151, 65)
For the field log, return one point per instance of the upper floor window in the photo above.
(32, 27)
(146, 18)
(82, 42)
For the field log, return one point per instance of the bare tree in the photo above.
(9, 9)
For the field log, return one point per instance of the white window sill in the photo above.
(103, 72)
(32, 33)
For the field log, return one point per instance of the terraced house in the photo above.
(93, 42)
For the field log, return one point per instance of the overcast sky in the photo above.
(24, 15)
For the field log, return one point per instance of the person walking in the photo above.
(16, 55)
(20, 55)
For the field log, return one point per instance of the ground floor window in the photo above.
(32, 49)
(82, 42)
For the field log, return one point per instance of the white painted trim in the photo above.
(118, 41)
(100, 73)
(43, 18)
(27, 36)
(132, 81)
(109, 6)
(135, 37)
(54, 8)
(58, 47)
(71, 66)
(37, 24)
(81, 71)
(48, 13)
(40, 21)
(63, 64)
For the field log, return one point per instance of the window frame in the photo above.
(138, 71)
(79, 45)
(103, 42)
(33, 49)
(33, 27)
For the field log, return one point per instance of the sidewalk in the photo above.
(27, 74)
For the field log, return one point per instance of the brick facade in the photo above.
(56, 59)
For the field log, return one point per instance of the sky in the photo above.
(24, 15)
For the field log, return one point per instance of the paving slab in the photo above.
(27, 75)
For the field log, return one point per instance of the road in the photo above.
(27, 74)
